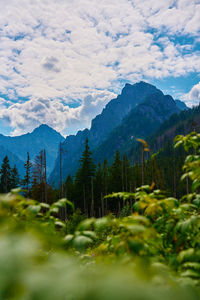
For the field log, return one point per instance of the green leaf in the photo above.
(186, 255)
(196, 202)
(60, 224)
(45, 205)
(86, 224)
(192, 265)
(101, 223)
(81, 242)
(54, 210)
(34, 209)
(136, 228)
(62, 203)
(68, 238)
(70, 203)
(90, 234)
(190, 273)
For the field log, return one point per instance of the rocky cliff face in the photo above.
(112, 116)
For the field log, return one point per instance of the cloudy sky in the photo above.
(61, 61)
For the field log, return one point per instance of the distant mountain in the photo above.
(117, 109)
(181, 105)
(13, 160)
(141, 122)
(113, 115)
(182, 123)
(43, 137)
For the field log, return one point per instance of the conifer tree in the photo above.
(84, 177)
(98, 190)
(125, 174)
(105, 182)
(105, 177)
(27, 177)
(116, 174)
(5, 180)
(14, 177)
(39, 177)
(69, 188)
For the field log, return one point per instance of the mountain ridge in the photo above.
(42, 137)
(140, 123)
(102, 125)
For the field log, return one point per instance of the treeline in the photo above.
(34, 183)
(35, 179)
(9, 177)
(92, 182)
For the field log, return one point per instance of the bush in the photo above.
(156, 247)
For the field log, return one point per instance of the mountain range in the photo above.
(42, 137)
(141, 122)
(136, 113)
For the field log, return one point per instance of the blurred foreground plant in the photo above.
(157, 246)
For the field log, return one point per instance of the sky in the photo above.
(62, 61)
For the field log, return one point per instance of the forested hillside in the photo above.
(141, 122)
(162, 163)
(123, 162)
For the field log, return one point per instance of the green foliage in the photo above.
(154, 245)
(192, 162)
(31, 213)
(126, 211)
(73, 221)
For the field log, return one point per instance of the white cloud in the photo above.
(58, 49)
(193, 97)
(26, 116)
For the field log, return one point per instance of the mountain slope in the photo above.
(140, 123)
(43, 137)
(183, 123)
(13, 160)
(181, 105)
(102, 126)
(118, 108)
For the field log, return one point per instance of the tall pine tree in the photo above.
(84, 177)
(116, 174)
(98, 191)
(39, 186)
(5, 180)
(69, 188)
(27, 177)
(14, 178)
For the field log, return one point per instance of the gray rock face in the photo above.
(103, 125)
